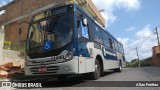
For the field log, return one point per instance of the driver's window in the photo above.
(83, 30)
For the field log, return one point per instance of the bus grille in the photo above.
(50, 70)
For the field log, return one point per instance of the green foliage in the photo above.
(143, 63)
(132, 64)
(7, 45)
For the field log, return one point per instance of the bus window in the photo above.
(97, 34)
(110, 43)
(121, 49)
(105, 38)
(113, 44)
(119, 46)
(85, 31)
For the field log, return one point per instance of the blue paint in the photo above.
(109, 54)
(83, 50)
(75, 35)
(48, 45)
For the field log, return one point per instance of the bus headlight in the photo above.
(69, 56)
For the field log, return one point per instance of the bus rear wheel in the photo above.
(118, 69)
(96, 74)
(62, 77)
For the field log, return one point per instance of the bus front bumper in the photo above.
(70, 67)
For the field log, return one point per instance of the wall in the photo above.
(13, 56)
(156, 56)
(1, 41)
(15, 10)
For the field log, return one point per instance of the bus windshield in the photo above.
(49, 34)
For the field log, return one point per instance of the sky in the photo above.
(4, 2)
(132, 22)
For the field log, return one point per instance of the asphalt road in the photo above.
(82, 82)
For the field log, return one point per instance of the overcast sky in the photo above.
(132, 22)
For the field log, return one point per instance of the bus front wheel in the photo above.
(96, 74)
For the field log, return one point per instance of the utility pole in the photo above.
(138, 58)
(158, 38)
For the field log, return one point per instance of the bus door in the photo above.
(83, 39)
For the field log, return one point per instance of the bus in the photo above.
(65, 40)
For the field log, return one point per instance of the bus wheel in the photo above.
(95, 75)
(118, 69)
(62, 77)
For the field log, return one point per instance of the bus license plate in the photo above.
(42, 69)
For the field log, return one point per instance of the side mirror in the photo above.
(85, 22)
(20, 29)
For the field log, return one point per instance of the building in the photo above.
(20, 11)
(156, 56)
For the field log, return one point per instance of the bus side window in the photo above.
(110, 43)
(105, 39)
(119, 46)
(97, 32)
(85, 30)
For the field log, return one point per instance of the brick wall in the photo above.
(13, 10)
(11, 32)
(156, 56)
(22, 7)
(2, 18)
(17, 9)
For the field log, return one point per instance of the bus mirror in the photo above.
(20, 29)
(85, 22)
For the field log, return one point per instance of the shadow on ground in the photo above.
(48, 81)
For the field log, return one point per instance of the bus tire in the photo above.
(62, 77)
(118, 69)
(96, 74)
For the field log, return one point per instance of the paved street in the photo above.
(128, 74)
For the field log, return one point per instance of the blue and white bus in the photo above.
(65, 40)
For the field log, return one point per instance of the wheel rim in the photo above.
(97, 69)
(120, 67)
